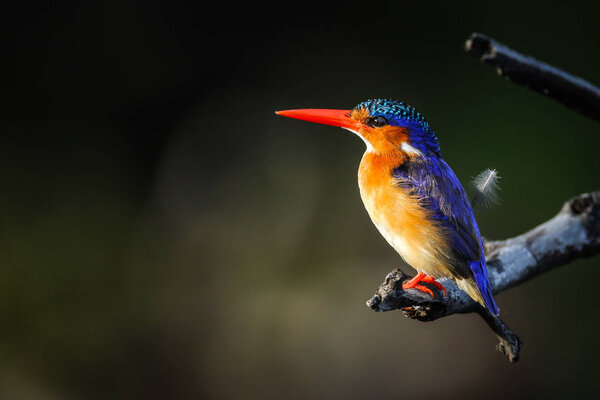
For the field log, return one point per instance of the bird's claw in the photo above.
(424, 289)
(421, 277)
(431, 280)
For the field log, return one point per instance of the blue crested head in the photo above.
(396, 113)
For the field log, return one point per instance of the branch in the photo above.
(538, 76)
(573, 233)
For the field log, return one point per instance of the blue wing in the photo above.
(441, 192)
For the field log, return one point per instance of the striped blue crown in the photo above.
(398, 113)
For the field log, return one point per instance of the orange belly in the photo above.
(400, 218)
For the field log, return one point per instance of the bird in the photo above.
(413, 197)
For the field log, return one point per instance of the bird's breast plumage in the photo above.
(400, 216)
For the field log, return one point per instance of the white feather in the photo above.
(486, 186)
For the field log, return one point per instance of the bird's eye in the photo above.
(376, 122)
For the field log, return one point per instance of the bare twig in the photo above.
(573, 233)
(553, 82)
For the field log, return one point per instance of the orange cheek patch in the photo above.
(395, 134)
(387, 139)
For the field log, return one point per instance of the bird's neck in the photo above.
(375, 169)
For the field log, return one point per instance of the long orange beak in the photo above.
(339, 118)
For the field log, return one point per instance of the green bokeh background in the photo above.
(163, 235)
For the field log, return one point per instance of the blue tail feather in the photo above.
(480, 275)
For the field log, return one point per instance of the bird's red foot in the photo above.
(421, 277)
(431, 280)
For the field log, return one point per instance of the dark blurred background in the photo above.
(163, 235)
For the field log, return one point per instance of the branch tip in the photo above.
(570, 90)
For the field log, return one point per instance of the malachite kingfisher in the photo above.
(412, 196)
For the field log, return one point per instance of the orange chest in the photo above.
(384, 199)
(398, 214)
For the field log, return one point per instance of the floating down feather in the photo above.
(486, 186)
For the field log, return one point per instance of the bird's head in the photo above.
(386, 126)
